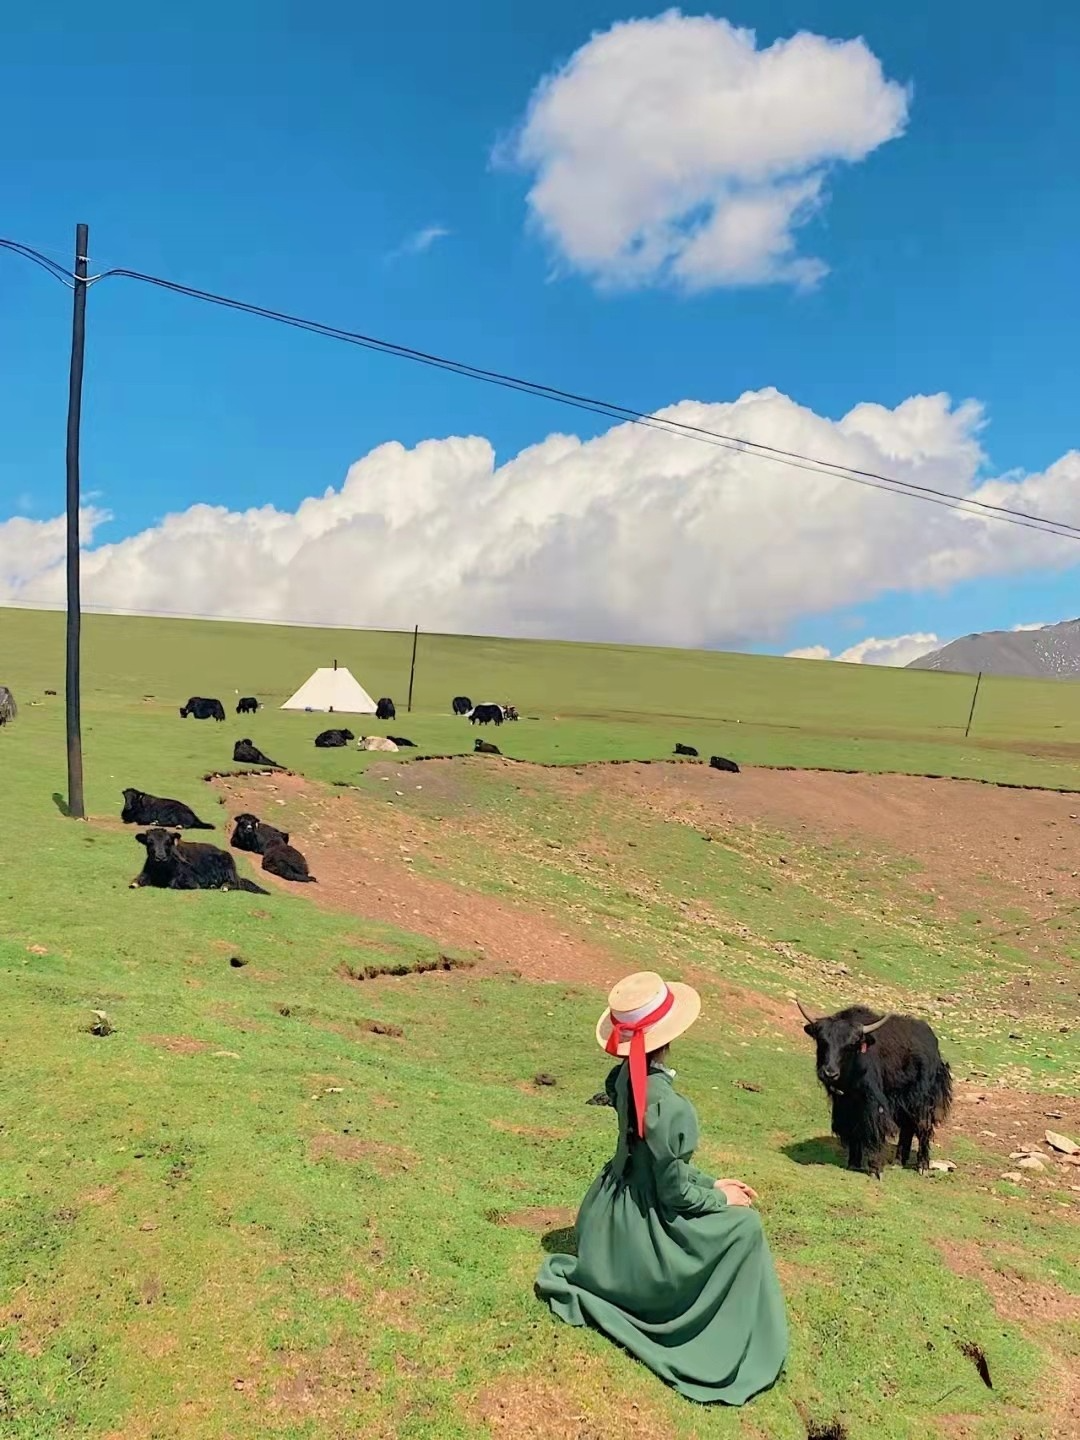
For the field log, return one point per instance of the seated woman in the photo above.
(671, 1264)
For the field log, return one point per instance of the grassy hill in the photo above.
(278, 1200)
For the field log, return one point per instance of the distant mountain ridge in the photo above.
(1051, 653)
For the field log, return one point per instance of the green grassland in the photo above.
(246, 1212)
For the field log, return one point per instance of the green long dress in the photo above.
(666, 1267)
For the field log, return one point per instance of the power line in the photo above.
(889, 484)
(58, 272)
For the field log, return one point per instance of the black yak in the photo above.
(245, 753)
(203, 709)
(173, 863)
(486, 715)
(402, 743)
(718, 762)
(685, 750)
(333, 739)
(485, 747)
(8, 708)
(384, 709)
(279, 857)
(142, 809)
(247, 705)
(254, 835)
(885, 1076)
(462, 704)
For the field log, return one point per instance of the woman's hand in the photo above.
(737, 1192)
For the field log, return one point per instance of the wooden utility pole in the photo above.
(971, 712)
(412, 667)
(76, 804)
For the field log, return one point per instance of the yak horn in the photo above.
(874, 1024)
(808, 1018)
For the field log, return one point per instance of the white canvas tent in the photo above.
(332, 689)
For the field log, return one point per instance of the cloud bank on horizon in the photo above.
(638, 535)
(672, 150)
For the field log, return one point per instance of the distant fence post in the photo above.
(971, 713)
(412, 667)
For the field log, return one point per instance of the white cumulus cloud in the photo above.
(674, 150)
(637, 535)
(896, 650)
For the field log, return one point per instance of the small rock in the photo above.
(1031, 1162)
(944, 1167)
(1014, 1176)
(1062, 1143)
(544, 1079)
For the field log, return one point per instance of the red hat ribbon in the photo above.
(631, 1025)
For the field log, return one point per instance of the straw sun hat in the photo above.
(644, 1014)
(634, 1000)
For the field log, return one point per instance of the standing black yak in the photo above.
(486, 715)
(173, 863)
(143, 809)
(384, 709)
(462, 705)
(203, 709)
(885, 1076)
(247, 705)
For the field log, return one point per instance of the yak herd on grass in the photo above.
(884, 1074)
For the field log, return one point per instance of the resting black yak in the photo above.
(245, 753)
(173, 863)
(462, 704)
(885, 1076)
(485, 747)
(685, 750)
(142, 809)
(718, 762)
(384, 709)
(203, 709)
(247, 705)
(279, 857)
(333, 739)
(402, 743)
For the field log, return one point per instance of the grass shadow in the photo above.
(822, 1150)
(61, 804)
(560, 1242)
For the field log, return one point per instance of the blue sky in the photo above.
(286, 154)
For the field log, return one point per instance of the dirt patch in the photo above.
(1016, 1297)
(350, 855)
(317, 1386)
(1005, 1120)
(536, 1132)
(176, 1044)
(384, 1159)
(528, 1408)
(1020, 846)
(352, 841)
(538, 1218)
